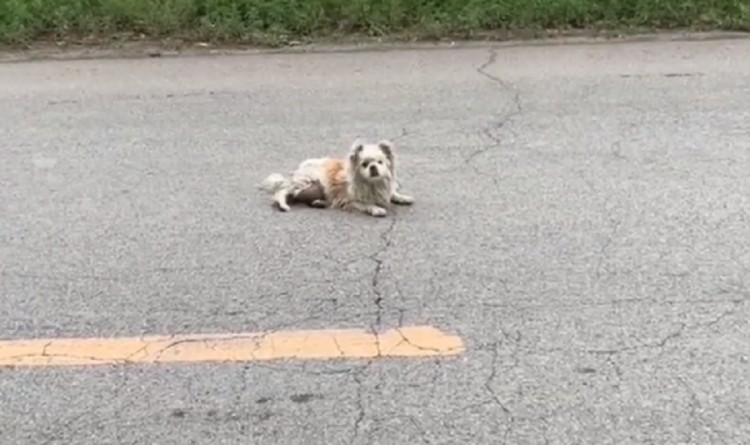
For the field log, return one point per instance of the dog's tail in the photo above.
(274, 182)
(279, 186)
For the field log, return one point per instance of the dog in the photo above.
(365, 181)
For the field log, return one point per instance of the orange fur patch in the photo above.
(335, 171)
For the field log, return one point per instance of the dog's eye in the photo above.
(380, 162)
(365, 164)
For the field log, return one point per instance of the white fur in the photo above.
(366, 182)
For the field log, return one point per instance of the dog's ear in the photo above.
(356, 149)
(387, 148)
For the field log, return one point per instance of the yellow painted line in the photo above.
(415, 341)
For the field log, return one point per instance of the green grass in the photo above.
(280, 21)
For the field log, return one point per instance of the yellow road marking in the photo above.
(415, 341)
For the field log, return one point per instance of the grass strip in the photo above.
(277, 22)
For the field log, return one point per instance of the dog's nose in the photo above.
(373, 170)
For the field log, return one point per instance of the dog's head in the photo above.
(374, 163)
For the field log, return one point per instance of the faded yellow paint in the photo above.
(415, 341)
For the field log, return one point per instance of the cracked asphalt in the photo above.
(580, 222)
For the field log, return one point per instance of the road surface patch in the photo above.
(414, 341)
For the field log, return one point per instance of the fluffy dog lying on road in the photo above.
(365, 181)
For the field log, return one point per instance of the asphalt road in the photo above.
(581, 222)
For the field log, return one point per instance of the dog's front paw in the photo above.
(377, 211)
(398, 198)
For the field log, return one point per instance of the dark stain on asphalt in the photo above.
(304, 398)
(682, 74)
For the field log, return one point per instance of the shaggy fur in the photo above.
(365, 181)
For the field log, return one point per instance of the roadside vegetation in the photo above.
(280, 22)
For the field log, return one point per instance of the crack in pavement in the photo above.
(494, 398)
(420, 428)
(406, 340)
(617, 370)
(604, 247)
(302, 369)
(611, 352)
(375, 281)
(695, 408)
(360, 404)
(433, 381)
(488, 131)
(493, 395)
(590, 303)
(660, 344)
